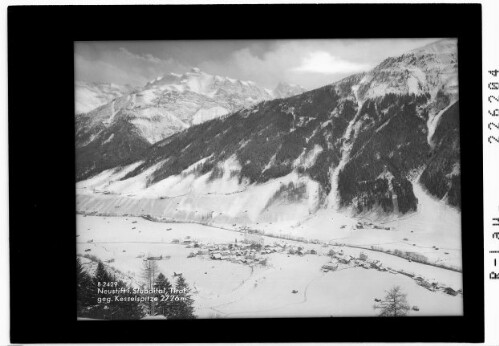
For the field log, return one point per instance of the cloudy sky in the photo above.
(310, 63)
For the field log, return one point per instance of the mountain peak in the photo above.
(443, 46)
(283, 90)
(195, 70)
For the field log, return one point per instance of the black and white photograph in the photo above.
(218, 171)
(222, 179)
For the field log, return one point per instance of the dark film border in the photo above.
(41, 161)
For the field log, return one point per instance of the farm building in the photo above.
(330, 267)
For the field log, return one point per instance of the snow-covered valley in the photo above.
(292, 204)
(226, 288)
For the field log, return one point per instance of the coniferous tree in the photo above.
(120, 306)
(164, 303)
(85, 293)
(101, 275)
(183, 307)
(100, 310)
(126, 307)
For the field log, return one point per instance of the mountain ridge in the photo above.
(356, 143)
(164, 106)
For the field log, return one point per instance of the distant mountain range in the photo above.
(360, 143)
(89, 96)
(129, 120)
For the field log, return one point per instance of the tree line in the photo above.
(176, 303)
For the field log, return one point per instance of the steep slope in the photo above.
(389, 144)
(356, 144)
(164, 106)
(119, 144)
(389, 141)
(442, 176)
(424, 70)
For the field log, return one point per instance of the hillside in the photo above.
(357, 144)
(166, 105)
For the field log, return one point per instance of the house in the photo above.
(329, 267)
(216, 255)
(343, 259)
(450, 291)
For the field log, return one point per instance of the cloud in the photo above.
(144, 57)
(103, 71)
(325, 63)
(266, 69)
(310, 63)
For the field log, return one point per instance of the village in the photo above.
(229, 267)
(253, 251)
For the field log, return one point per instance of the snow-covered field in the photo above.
(222, 288)
(158, 206)
(434, 231)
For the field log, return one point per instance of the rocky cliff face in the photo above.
(442, 175)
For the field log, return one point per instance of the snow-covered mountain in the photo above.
(283, 90)
(164, 106)
(424, 70)
(89, 96)
(359, 144)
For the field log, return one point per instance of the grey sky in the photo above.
(310, 63)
